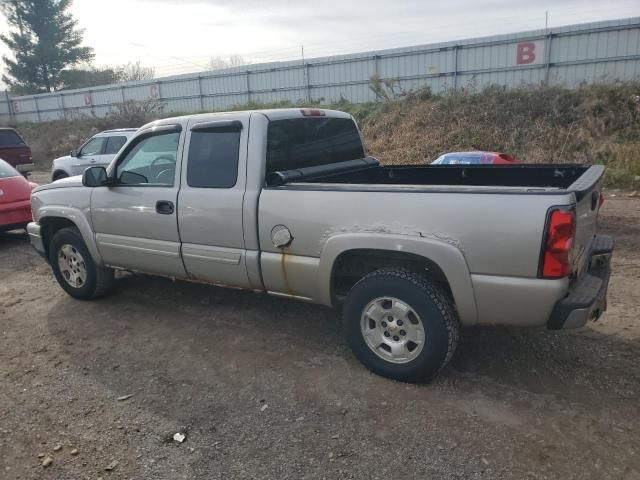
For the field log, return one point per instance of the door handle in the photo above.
(164, 207)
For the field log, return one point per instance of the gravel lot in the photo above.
(266, 388)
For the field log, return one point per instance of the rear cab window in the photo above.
(309, 142)
(10, 138)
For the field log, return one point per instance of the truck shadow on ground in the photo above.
(174, 340)
(13, 238)
(15, 249)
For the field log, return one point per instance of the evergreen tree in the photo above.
(44, 41)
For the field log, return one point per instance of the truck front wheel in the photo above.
(74, 268)
(58, 176)
(400, 325)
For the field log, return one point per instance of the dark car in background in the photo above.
(15, 151)
(474, 158)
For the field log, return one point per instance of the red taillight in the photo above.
(312, 112)
(601, 200)
(561, 230)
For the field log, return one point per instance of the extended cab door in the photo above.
(135, 220)
(210, 199)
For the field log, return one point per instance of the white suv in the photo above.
(98, 150)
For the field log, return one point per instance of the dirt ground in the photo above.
(266, 388)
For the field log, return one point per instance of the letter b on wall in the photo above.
(525, 53)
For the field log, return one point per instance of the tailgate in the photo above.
(587, 189)
(16, 155)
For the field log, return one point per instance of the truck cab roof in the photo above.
(115, 131)
(271, 114)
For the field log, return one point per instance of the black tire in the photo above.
(429, 302)
(99, 280)
(58, 176)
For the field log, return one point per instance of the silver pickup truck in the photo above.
(287, 202)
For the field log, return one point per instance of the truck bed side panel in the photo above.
(497, 234)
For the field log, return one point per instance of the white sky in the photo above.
(181, 36)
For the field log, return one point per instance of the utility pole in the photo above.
(305, 73)
(546, 22)
(547, 48)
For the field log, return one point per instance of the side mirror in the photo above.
(74, 153)
(95, 177)
(132, 178)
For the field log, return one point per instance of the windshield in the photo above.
(459, 159)
(7, 170)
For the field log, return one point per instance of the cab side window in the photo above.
(213, 158)
(151, 161)
(114, 144)
(92, 147)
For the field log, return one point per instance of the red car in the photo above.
(15, 151)
(15, 194)
(474, 158)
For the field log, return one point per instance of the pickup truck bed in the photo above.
(525, 177)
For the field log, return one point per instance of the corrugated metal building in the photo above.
(566, 56)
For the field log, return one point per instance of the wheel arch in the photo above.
(57, 172)
(51, 222)
(348, 257)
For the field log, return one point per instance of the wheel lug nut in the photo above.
(386, 334)
(399, 322)
(390, 318)
(396, 338)
(384, 324)
(403, 333)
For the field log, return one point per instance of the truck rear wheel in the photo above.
(74, 268)
(400, 325)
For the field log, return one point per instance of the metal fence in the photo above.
(565, 56)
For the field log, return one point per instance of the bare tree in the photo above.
(134, 72)
(218, 62)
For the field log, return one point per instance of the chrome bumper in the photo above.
(25, 167)
(35, 237)
(587, 300)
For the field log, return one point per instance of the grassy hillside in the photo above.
(596, 124)
(593, 124)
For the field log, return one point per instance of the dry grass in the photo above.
(593, 124)
(596, 124)
(49, 140)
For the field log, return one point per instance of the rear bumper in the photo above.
(587, 298)
(15, 214)
(35, 237)
(25, 167)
